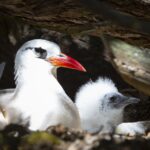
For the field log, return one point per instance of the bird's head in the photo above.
(102, 95)
(118, 101)
(39, 53)
(111, 98)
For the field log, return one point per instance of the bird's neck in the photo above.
(114, 116)
(36, 79)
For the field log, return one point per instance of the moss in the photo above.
(36, 137)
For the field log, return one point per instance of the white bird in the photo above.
(101, 106)
(38, 100)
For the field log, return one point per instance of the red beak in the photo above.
(67, 62)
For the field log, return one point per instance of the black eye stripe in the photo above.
(37, 49)
(42, 53)
(40, 50)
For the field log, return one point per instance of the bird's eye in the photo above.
(41, 53)
(40, 50)
(112, 98)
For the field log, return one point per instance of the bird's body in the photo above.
(39, 101)
(101, 106)
(45, 99)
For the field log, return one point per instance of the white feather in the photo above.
(89, 99)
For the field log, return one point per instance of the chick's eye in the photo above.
(41, 53)
(112, 98)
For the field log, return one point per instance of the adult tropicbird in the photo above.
(101, 106)
(39, 100)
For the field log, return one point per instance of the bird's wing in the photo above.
(65, 113)
(6, 96)
(72, 110)
(2, 66)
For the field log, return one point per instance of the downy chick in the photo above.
(101, 105)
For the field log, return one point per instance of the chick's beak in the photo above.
(125, 100)
(65, 61)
